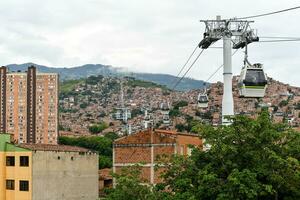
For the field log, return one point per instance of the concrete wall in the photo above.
(56, 176)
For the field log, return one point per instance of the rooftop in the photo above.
(51, 147)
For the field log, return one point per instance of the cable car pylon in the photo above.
(227, 29)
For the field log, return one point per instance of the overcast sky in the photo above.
(153, 36)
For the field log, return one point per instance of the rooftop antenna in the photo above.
(242, 35)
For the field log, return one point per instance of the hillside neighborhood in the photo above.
(95, 99)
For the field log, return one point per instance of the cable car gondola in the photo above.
(202, 100)
(165, 109)
(166, 119)
(252, 81)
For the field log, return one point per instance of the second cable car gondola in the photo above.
(202, 100)
(252, 81)
(165, 109)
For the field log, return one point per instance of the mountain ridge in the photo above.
(83, 71)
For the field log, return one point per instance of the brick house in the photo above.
(144, 148)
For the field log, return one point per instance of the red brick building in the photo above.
(145, 147)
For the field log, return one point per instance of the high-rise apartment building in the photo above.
(29, 105)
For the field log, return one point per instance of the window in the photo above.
(10, 161)
(10, 184)
(24, 185)
(24, 161)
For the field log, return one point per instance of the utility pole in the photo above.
(229, 30)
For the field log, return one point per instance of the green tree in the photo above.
(174, 113)
(111, 135)
(180, 104)
(128, 186)
(283, 103)
(98, 128)
(83, 105)
(102, 145)
(250, 159)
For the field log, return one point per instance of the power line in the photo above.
(188, 69)
(270, 13)
(277, 37)
(287, 40)
(182, 68)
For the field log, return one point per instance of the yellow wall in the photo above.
(16, 173)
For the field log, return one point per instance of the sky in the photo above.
(154, 36)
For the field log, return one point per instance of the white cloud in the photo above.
(148, 36)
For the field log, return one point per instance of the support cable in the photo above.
(270, 13)
(276, 37)
(182, 68)
(287, 40)
(188, 69)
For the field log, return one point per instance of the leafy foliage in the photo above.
(250, 159)
(93, 80)
(69, 85)
(98, 128)
(283, 103)
(174, 113)
(180, 104)
(103, 145)
(129, 187)
(132, 82)
(136, 112)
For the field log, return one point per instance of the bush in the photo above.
(98, 128)
(102, 145)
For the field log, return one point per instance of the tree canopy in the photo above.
(98, 128)
(103, 145)
(250, 159)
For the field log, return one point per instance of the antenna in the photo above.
(242, 35)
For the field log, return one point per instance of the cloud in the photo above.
(147, 36)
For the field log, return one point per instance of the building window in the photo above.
(24, 185)
(10, 161)
(10, 184)
(24, 161)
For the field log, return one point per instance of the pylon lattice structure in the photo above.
(231, 31)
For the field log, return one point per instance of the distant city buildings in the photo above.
(47, 172)
(29, 105)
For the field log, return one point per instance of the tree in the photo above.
(250, 159)
(98, 128)
(83, 105)
(180, 104)
(283, 103)
(128, 186)
(174, 113)
(111, 135)
(103, 145)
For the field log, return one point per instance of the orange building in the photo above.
(29, 105)
(144, 148)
